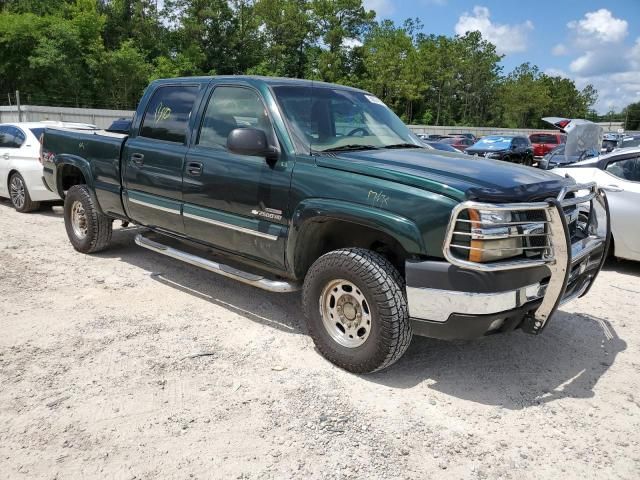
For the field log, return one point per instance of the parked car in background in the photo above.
(583, 140)
(445, 147)
(630, 141)
(20, 169)
(431, 137)
(121, 125)
(618, 174)
(510, 148)
(557, 158)
(468, 135)
(543, 143)
(459, 143)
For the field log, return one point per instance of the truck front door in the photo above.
(236, 203)
(153, 158)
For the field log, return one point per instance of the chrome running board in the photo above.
(279, 286)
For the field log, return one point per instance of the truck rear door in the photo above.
(153, 157)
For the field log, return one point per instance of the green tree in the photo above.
(523, 97)
(288, 35)
(632, 116)
(340, 25)
(391, 67)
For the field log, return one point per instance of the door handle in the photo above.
(5, 156)
(137, 159)
(194, 169)
(612, 188)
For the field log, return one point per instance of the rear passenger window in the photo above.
(11, 137)
(230, 108)
(168, 113)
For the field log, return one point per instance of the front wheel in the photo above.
(88, 230)
(356, 310)
(19, 195)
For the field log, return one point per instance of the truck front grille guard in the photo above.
(546, 239)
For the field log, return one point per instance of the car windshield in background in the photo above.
(630, 142)
(543, 138)
(327, 119)
(494, 143)
(37, 132)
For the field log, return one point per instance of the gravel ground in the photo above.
(129, 365)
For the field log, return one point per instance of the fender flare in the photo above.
(80, 163)
(312, 210)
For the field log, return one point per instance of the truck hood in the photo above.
(456, 175)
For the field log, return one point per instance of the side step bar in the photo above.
(279, 286)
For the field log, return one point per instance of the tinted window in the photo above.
(328, 119)
(11, 137)
(544, 138)
(627, 169)
(230, 108)
(168, 112)
(37, 132)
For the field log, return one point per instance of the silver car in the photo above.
(618, 174)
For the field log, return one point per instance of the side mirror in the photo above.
(252, 142)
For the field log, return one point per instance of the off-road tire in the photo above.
(99, 226)
(383, 287)
(28, 205)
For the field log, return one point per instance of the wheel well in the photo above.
(69, 176)
(11, 172)
(327, 235)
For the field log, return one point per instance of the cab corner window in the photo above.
(230, 108)
(168, 112)
(627, 169)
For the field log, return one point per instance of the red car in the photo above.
(543, 143)
(460, 143)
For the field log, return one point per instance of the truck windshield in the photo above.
(326, 119)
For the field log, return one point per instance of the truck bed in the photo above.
(97, 150)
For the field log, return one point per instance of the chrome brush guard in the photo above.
(568, 234)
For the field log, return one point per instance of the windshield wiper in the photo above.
(350, 148)
(403, 145)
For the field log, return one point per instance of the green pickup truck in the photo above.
(289, 184)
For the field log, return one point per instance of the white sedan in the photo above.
(20, 168)
(618, 174)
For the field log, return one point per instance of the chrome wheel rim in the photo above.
(79, 220)
(17, 192)
(346, 314)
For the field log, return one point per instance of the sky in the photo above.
(589, 41)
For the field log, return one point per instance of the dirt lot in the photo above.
(128, 364)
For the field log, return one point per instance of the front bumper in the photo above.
(462, 299)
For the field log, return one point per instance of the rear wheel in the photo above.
(88, 230)
(19, 195)
(356, 310)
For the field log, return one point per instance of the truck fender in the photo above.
(73, 160)
(314, 210)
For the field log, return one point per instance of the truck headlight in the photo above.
(492, 236)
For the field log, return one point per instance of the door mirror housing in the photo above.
(251, 142)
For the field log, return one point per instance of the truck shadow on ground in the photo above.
(277, 310)
(513, 370)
